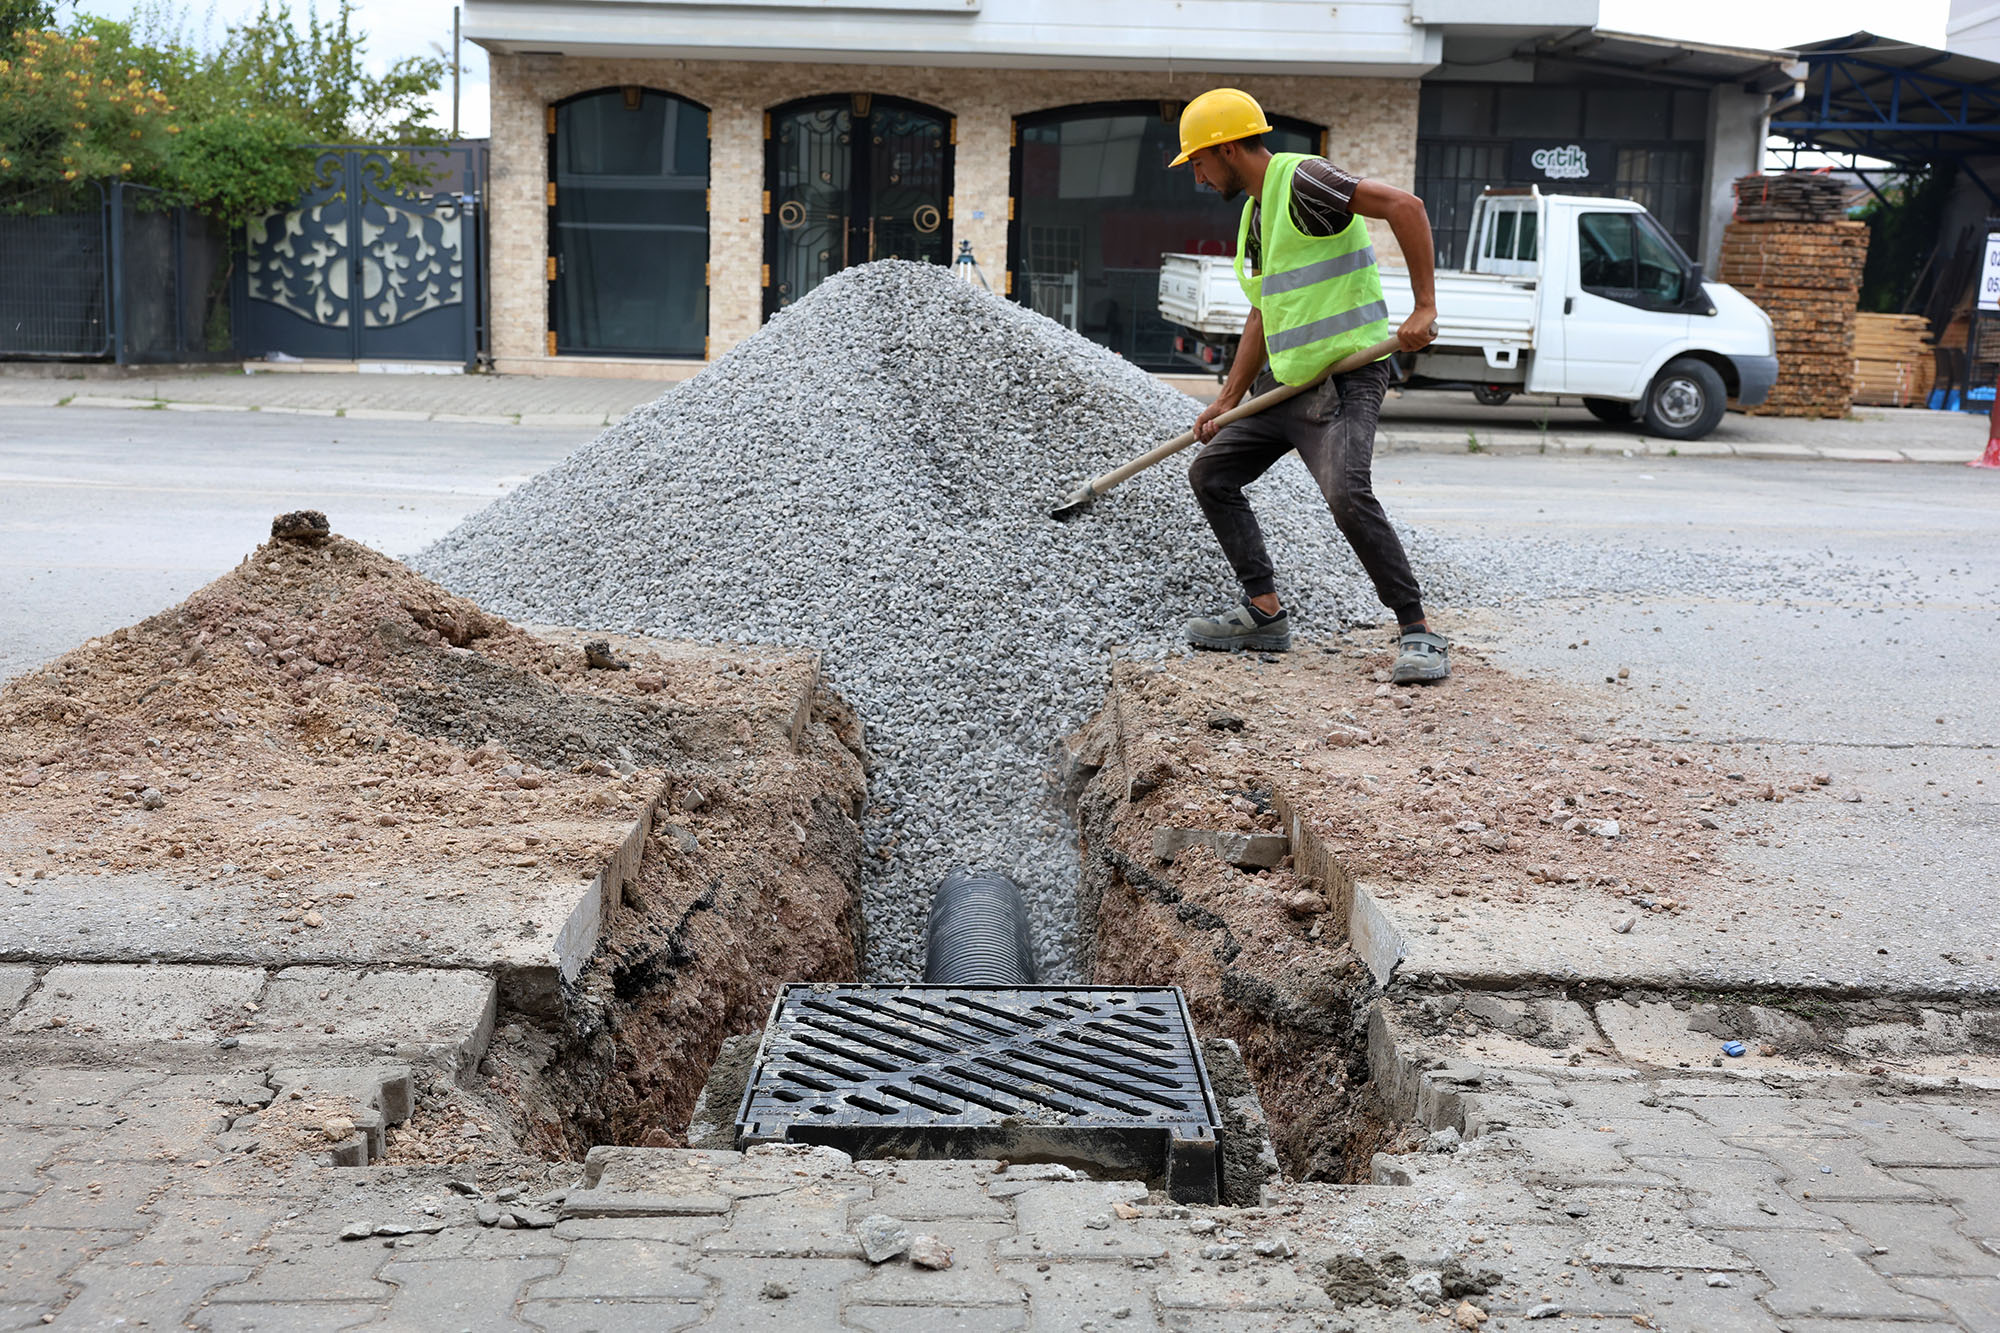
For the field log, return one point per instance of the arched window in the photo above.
(628, 224)
(1096, 205)
(853, 178)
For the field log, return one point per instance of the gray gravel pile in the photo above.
(871, 474)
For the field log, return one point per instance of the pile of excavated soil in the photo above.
(1483, 790)
(321, 710)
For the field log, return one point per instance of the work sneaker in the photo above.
(1422, 659)
(1242, 627)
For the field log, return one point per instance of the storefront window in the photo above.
(630, 228)
(1652, 140)
(1096, 205)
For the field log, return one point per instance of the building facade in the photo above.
(666, 174)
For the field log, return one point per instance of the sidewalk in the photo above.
(1422, 422)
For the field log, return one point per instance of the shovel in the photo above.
(1079, 499)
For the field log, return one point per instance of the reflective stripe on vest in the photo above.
(1320, 296)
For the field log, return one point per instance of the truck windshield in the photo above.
(1626, 257)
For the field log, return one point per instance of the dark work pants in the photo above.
(1333, 428)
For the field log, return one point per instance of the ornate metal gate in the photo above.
(362, 270)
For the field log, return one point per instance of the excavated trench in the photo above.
(764, 889)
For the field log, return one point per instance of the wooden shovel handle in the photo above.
(1248, 408)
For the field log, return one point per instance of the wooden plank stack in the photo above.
(1893, 365)
(1791, 196)
(1792, 251)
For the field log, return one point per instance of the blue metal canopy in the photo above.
(1914, 106)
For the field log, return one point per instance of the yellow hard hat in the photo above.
(1217, 116)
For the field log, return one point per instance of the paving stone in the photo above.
(135, 1006)
(1253, 1287)
(441, 1294)
(1768, 1114)
(971, 1279)
(679, 1230)
(70, 1098)
(1579, 1155)
(624, 1269)
(1053, 1221)
(612, 1316)
(1743, 1191)
(176, 1118)
(314, 1268)
(939, 1318)
(1972, 1194)
(1903, 1135)
(1974, 1302)
(1216, 1321)
(927, 1191)
(67, 1199)
(1820, 1275)
(118, 1294)
(35, 1263)
(191, 1229)
(796, 1225)
(284, 1317)
(15, 983)
(472, 1241)
(1852, 1177)
(1068, 1294)
(1922, 1239)
(24, 1152)
(657, 1182)
(1690, 1305)
(434, 1014)
(814, 1284)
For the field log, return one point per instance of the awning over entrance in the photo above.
(1669, 60)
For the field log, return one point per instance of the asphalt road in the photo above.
(108, 516)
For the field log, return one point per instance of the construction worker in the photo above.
(1303, 258)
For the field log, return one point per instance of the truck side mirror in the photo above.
(1697, 297)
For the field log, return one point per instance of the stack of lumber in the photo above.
(1893, 366)
(1792, 196)
(1804, 269)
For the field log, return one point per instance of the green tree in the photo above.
(19, 17)
(227, 128)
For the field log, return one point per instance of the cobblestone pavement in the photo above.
(1700, 1200)
(1430, 422)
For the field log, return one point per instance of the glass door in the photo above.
(853, 179)
(629, 225)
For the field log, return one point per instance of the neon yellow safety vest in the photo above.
(1321, 296)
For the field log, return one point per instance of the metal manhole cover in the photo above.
(1102, 1076)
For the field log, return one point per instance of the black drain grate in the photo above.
(1095, 1075)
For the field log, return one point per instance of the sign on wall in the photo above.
(1989, 274)
(1554, 163)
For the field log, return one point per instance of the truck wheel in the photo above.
(1685, 400)
(1491, 395)
(1611, 411)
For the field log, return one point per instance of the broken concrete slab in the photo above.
(1250, 851)
(429, 1015)
(533, 934)
(124, 1008)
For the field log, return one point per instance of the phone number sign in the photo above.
(1989, 275)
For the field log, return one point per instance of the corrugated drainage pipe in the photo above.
(978, 933)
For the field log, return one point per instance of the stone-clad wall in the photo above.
(1373, 121)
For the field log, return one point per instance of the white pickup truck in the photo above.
(1560, 294)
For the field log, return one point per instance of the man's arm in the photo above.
(1405, 214)
(1242, 374)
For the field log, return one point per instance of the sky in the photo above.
(411, 27)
